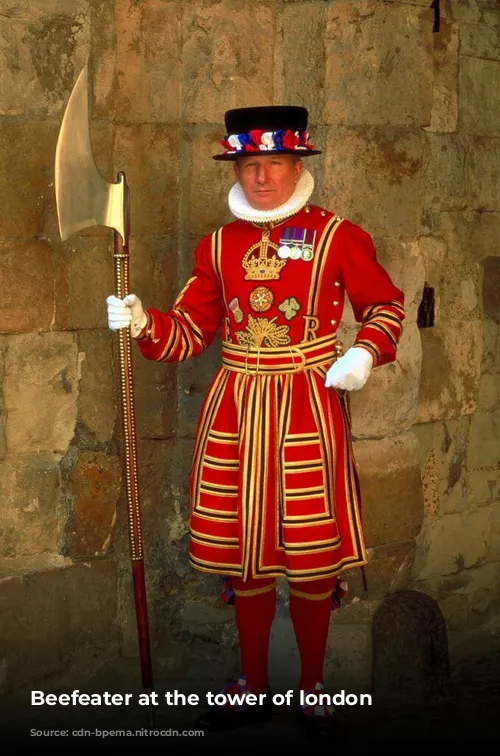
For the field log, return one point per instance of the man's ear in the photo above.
(236, 169)
(299, 167)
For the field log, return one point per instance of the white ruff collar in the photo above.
(240, 207)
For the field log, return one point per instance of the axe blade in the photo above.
(83, 196)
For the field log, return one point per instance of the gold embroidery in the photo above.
(289, 308)
(311, 325)
(261, 299)
(263, 331)
(235, 308)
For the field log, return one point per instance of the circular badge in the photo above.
(295, 253)
(261, 299)
(307, 253)
(284, 251)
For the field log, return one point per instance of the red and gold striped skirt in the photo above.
(274, 487)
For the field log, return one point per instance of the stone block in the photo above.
(388, 402)
(98, 396)
(451, 368)
(90, 280)
(444, 111)
(480, 41)
(391, 488)
(484, 190)
(455, 276)
(103, 44)
(153, 271)
(491, 347)
(378, 65)
(444, 174)
(27, 303)
(31, 520)
(482, 239)
(348, 658)
(206, 182)
(27, 149)
(155, 397)
(431, 251)
(475, 12)
(469, 236)
(484, 442)
(458, 294)
(307, 89)
(195, 377)
(149, 155)
(483, 486)
(452, 543)
(491, 288)
(57, 621)
(148, 61)
(45, 46)
(371, 177)
(96, 485)
(493, 553)
(489, 393)
(40, 392)
(222, 67)
(443, 451)
(479, 84)
(406, 263)
(156, 463)
(3, 444)
(389, 569)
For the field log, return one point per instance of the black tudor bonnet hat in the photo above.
(268, 130)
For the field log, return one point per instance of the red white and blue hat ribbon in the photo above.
(258, 140)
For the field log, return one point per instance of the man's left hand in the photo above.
(351, 371)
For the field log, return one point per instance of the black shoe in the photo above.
(317, 726)
(220, 718)
(315, 723)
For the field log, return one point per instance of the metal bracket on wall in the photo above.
(425, 315)
(435, 5)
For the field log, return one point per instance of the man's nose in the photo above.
(262, 174)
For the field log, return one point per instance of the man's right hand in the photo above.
(126, 312)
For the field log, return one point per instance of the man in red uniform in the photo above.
(274, 487)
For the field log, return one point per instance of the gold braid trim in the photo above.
(256, 591)
(310, 596)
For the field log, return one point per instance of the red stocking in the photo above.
(310, 610)
(255, 604)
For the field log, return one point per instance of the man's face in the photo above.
(268, 180)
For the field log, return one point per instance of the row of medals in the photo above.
(304, 252)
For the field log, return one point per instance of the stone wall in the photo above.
(408, 123)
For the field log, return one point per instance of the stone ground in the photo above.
(470, 714)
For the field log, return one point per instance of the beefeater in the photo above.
(274, 486)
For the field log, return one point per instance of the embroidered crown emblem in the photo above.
(261, 262)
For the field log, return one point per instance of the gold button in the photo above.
(337, 283)
(333, 322)
(335, 304)
(308, 209)
(322, 212)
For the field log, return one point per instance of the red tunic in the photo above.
(274, 487)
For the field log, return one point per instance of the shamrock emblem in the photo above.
(289, 307)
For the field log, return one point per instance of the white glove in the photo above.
(351, 371)
(126, 312)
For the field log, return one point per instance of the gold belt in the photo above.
(253, 360)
